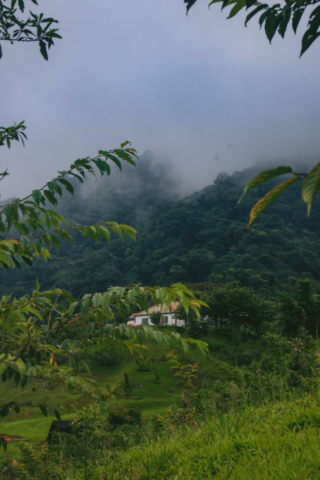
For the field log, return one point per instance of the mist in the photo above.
(203, 93)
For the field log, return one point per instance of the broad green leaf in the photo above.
(310, 186)
(105, 300)
(254, 12)
(307, 40)
(89, 329)
(272, 23)
(44, 411)
(50, 196)
(158, 336)
(5, 260)
(183, 288)
(96, 300)
(264, 177)
(296, 17)
(51, 410)
(189, 3)
(43, 49)
(107, 330)
(184, 345)
(250, 3)
(141, 336)
(236, 8)
(55, 242)
(270, 197)
(57, 415)
(169, 341)
(67, 184)
(37, 196)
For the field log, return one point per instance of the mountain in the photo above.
(199, 238)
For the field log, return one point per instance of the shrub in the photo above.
(106, 358)
(120, 415)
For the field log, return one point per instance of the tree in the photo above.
(300, 310)
(155, 318)
(276, 17)
(39, 329)
(233, 306)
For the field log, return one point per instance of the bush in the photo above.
(107, 358)
(122, 416)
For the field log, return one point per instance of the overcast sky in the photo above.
(206, 92)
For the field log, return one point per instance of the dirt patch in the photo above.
(10, 438)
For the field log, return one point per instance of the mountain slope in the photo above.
(199, 238)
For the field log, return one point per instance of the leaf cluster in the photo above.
(36, 28)
(276, 17)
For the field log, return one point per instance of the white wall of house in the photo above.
(169, 319)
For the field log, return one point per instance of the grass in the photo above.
(279, 441)
(148, 396)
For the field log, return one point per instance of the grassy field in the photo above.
(149, 396)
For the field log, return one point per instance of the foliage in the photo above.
(204, 234)
(300, 310)
(106, 358)
(143, 363)
(38, 329)
(276, 17)
(123, 416)
(155, 318)
(35, 28)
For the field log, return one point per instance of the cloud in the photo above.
(186, 87)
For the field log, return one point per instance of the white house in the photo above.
(168, 316)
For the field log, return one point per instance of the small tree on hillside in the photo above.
(155, 318)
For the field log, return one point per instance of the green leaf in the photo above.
(44, 411)
(183, 288)
(310, 186)
(189, 3)
(236, 8)
(284, 22)
(254, 12)
(37, 196)
(141, 336)
(55, 242)
(296, 17)
(105, 300)
(115, 160)
(170, 341)
(107, 330)
(158, 336)
(264, 177)
(272, 23)
(47, 220)
(50, 196)
(184, 345)
(51, 410)
(307, 40)
(43, 49)
(57, 415)
(89, 329)
(5, 260)
(67, 184)
(250, 3)
(270, 197)
(96, 300)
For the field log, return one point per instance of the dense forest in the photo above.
(198, 238)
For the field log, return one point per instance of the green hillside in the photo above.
(199, 238)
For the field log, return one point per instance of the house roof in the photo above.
(158, 308)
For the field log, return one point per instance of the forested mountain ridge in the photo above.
(199, 238)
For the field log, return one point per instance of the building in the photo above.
(168, 316)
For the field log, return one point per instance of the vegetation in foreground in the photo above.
(259, 419)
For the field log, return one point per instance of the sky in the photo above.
(206, 93)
